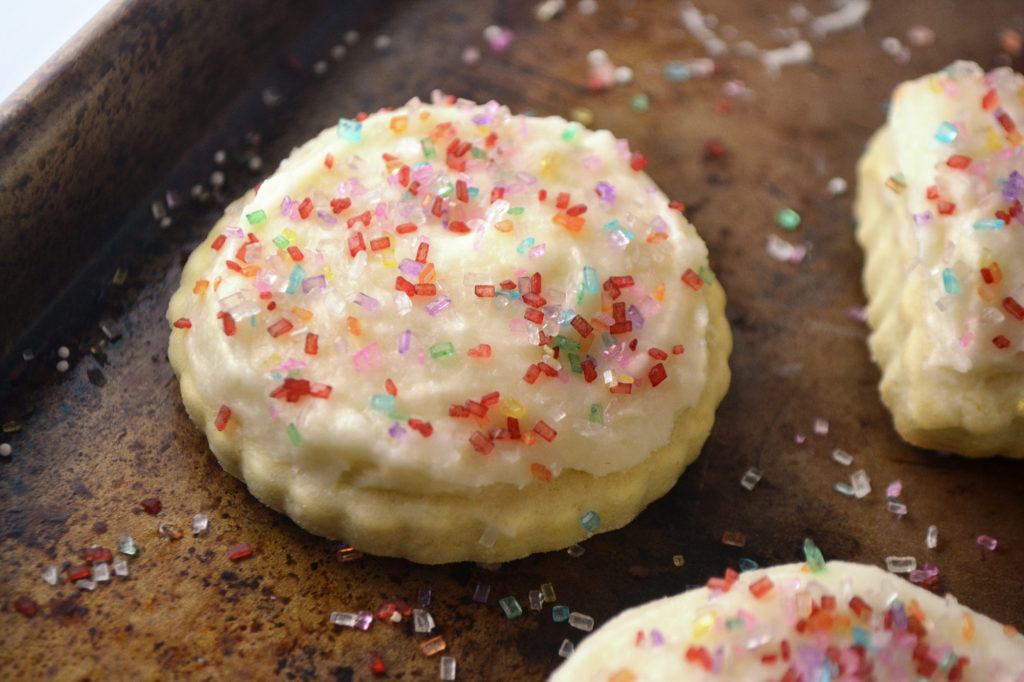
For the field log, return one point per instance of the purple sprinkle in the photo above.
(314, 283)
(1013, 186)
(606, 192)
(326, 217)
(424, 597)
(525, 178)
(438, 304)
(634, 315)
(656, 638)
(368, 302)
(659, 224)
(899, 615)
(411, 267)
(481, 593)
(396, 430)
(364, 619)
(894, 489)
(987, 542)
(403, 340)
(922, 218)
(286, 205)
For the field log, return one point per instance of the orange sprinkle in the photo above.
(427, 274)
(503, 225)
(573, 223)
(623, 675)
(967, 630)
(659, 292)
(303, 314)
(656, 237)
(399, 124)
(539, 471)
(251, 270)
(528, 437)
(914, 609)
(1009, 630)
(200, 288)
(216, 284)
(354, 328)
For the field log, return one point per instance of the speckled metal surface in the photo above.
(95, 441)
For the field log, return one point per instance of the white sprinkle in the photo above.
(63, 366)
(6, 449)
(63, 353)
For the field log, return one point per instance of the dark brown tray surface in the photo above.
(93, 442)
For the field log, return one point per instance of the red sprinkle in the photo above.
(657, 374)
(458, 227)
(1011, 306)
(637, 161)
(339, 205)
(26, 606)
(562, 201)
(405, 228)
(692, 279)
(280, 327)
(312, 344)
(329, 160)
(218, 242)
(480, 351)
(932, 192)
(582, 327)
(761, 587)
(677, 206)
(657, 354)
(183, 323)
(422, 251)
(1001, 342)
(424, 289)
(229, 323)
(305, 208)
(958, 161)
(356, 244)
(544, 431)
(380, 243)
(402, 284)
(239, 551)
(481, 443)
(94, 555)
(151, 505)
(223, 416)
(484, 290)
(532, 372)
(589, 370)
(461, 191)
(296, 253)
(390, 387)
(989, 100)
(622, 388)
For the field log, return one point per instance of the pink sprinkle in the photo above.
(234, 232)
(799, 439)
(290, 364)
(987, 542)
(518, 325)
(591, 163)
(403, 340)
(966, 339)
(538, 251)
(421, 356)
(367, 357)
(381, 211)
(894, 489)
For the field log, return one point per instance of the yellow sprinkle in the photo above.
(993, 141)
(703, 624)
(549, 163)
(582, 114)
(290, 236)
(678, 560)
(624, 378)
(328, 274)
(274, 360)
(510, 407)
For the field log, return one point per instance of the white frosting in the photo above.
(344, 434)
(961, 324)
(737, 630)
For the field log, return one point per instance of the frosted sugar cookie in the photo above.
(940, 220)
(842, 622)
(446, 332)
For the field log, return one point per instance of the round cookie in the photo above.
(940, 220)
(847, 621)
(447, 332)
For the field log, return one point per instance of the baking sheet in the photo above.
(90, 443)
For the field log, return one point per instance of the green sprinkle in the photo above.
(281, 242)
(590, 521)
(788, 219)
(382, 402)
(597, 413)
(511, 607)
(815, 561)
(705, 274)
(560, 613)
(575, 363)
(294, 435)
(525, 245)
(477, 153)
(429, 151)
(640, 103)
(569, 132)
(565, 342)
(257, 216)
(350, 130)
(399, 416)
(516, 210)
(442, 350)
(735, 623)
(446, 192)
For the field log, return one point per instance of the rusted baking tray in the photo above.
(118, 157)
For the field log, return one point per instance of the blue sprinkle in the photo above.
(950, 282)
(350, 130)
(990, 224)
(946, 133)
(590, 278)
(590, 521)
